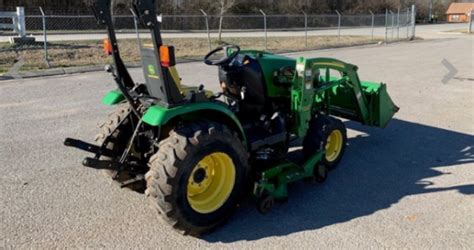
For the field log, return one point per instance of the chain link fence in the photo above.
(67, 41)
(399, 24)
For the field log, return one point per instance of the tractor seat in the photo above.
(183, 88)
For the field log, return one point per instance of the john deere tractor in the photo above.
(196, 153)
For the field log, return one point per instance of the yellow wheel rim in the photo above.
(211, 183)
(333, 145)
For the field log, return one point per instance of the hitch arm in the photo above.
(129, 167)
(91, 148)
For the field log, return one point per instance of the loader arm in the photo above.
(345, 96)
(350, 72)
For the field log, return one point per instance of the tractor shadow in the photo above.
(379, 169)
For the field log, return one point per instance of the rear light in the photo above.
(167, 58)
(107, 47)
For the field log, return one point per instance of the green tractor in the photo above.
(195, 153)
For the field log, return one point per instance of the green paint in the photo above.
(344, 95)
(302, 96)
(158, 115)
(275, 180)
(271, 63)
(381, 106)
(113, 97)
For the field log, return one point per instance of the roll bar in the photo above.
(101, 9)
(159, 82)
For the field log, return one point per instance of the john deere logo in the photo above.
(151, 70)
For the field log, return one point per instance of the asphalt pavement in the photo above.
(410, 185)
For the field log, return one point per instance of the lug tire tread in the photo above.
(162, 176)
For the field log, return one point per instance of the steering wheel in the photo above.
(226, 59)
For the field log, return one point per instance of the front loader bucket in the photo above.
(380, 105)
(379, 108)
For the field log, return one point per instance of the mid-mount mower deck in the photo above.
(195, 153)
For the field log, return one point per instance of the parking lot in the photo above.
(410, 185)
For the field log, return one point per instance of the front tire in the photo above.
(327, 133)
(197, 177)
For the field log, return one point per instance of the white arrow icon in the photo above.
(452, 71)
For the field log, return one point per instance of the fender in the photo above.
(113, 97)
(158, 115)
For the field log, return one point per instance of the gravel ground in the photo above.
(410, 185)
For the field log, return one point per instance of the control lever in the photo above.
(243, 90)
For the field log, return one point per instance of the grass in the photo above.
(86, 53)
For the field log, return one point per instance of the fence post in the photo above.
(470, 22)
(413, 22)
(265, 27)
(135, 23)
(45, 39)
(207, 28)
(407, 23)
(305, 29)
(338, 26)
(373, 21)
(398, 24)
(393, 21)
(386, 25)
(15, 24)
(20, 13)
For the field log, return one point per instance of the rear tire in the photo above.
(181, 165)
(328, 133)
(119, 130)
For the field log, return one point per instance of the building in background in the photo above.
(459, 12)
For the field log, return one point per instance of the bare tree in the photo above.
(224, 6)
(216, 7)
